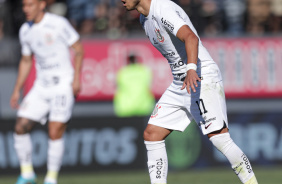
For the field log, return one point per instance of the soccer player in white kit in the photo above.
(170, 30)
(48, 37)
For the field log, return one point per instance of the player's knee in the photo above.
(56, 130)
(222, 141)
(54, 135)
(23, 126)
(146, 135)
(19, 129)
(150, 136)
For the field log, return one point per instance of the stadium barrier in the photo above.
(110, 143)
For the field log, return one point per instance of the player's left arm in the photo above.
(71, 38)
(191, 41)
(78, 58)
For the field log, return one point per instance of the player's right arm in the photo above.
(176, 21)
(23, 71)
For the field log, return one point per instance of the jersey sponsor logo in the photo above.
(207, 121)
(48, 67)
(155, 112)
(169, 25)
(49, 26)
(211, 119)
(159, 36)
(176, 65)
(170, 54)
(179, 76)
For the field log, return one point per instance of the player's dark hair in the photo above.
(132, 59)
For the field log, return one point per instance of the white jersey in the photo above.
(49, 40)
(161, 25)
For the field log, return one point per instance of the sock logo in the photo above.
(159, 168)
(238, 168)
(151, 167)
(247, 163)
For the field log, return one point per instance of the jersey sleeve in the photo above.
(68, 33)
(25, 48)
(172, 20)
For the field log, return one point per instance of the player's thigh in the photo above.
(208, 107)
(34, 107)
(61, 105)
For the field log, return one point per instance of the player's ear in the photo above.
(42, 4)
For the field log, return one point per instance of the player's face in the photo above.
(32, 8)
(130, 4)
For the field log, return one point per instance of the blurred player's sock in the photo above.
(23, 147)
(238, 160)
(157, 161)
(51, 177)
(55, 157)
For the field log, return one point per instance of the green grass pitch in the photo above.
(221, 175)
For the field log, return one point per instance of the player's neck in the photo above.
(144, 7)
(39, 17)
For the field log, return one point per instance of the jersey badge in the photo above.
(156, 110)
(49, 39)
(155, 42)
(159, 36)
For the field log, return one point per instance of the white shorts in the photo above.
(52, 103)
(177, 108)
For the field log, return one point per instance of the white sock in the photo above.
(238, 160)
(54, 162)
(157, 161)
(23, 147)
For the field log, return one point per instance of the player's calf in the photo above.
(54, 161)
(23, 148)
(238, 160)
(157, 161)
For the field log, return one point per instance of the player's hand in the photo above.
(191, 81)
(14, 100)
(76, 87)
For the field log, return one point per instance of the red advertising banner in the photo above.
(251, 68)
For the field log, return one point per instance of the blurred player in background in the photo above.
(48, 37)
(170, 30)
